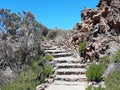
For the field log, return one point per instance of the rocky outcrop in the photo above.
(100, 28)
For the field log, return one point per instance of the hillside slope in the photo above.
(100, 28)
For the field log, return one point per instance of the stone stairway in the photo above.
(69, 73)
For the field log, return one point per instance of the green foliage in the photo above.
(94, 72)
(99, 88)
(28, 79)
(89, 87)
(34, 67)
(95, 88)
(48, 70)
(104, 61)
(51, 34)
(116, 58)
(22, 26)
(11, 22)
(112, 82)
(21, 86)
(82, 46)
(49, 57)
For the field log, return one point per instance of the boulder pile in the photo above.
(100, 28)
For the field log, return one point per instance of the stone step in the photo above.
(69, 59)
(66, 61)
(80, 86)
(50, 49)
(47, 46)
(57, 82)
(73, 78)
(61, 55)
(55, 51)
(70, 71)
(65, 58)
(70, 65)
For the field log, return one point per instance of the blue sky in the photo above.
(52, 13)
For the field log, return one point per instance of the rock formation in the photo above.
(100, 27)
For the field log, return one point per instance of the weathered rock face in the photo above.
(100, 28)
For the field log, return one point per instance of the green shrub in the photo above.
(21, 86)
(49, 57)
(52, 34)
(95, 88)
(34, 67)
(117, 56)
(89, 87)
(48, 70)
(28, 79)
(99, 88)
(82, 46)
(94, 72)
(104, 61)
(112, 82)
